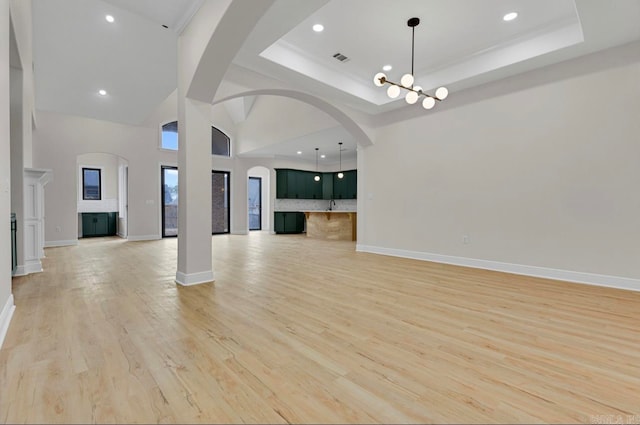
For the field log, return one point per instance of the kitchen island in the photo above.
(331, 225)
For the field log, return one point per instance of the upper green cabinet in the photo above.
(346, 187)
(327, 185)
(299, 184)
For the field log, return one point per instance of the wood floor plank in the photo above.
(310, 331)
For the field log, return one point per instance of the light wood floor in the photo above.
(309, 331)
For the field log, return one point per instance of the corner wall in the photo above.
(6, 298)
(543, 176)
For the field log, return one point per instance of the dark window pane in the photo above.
(255, 203)
(220, 143)
(91, 184)
(169, 179)
(220, 202)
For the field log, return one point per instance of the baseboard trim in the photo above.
(32, 266)
(137, 238)
(534, 271)
(20, 271)
(191, 279)
(55, 244)
(5, 318)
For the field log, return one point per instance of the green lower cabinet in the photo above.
(288, 222)
(98, 224)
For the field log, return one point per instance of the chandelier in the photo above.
(406, 82)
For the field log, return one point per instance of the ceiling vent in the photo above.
(341, 57)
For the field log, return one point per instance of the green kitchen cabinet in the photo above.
(300, 184)
(346, 187)
(313, 188)
(352, 184)
(98, 224)
(288, 222)
(297, 184)
(282, 184)
(327, 186)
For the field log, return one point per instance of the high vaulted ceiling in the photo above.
(459, 43)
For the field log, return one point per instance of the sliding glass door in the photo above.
(169, 189)
(220, 201)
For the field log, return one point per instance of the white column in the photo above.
(33, 220)
(6, 298)
(194, 186)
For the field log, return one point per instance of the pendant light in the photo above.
(317, 176)
(407, 81)
(340, 173)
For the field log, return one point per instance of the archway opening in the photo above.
(102, 195)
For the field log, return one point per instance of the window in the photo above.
(255, 203)
(169, 192)
(91, 184)
(220, 201)
(170, 136)
(220, 143)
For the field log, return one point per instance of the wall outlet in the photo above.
(58, 229)
(465, 239)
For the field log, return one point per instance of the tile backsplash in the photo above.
(314, 205)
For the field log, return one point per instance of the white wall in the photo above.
(108, 166)
(6, 298)
(274, 119)
(17, 159)
(546, 174)
(58, 141)
(21, 18)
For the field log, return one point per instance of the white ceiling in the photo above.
(451, 35)
(175, 14)
(459, 43)
(325, 140)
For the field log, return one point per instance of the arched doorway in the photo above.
(102, 195)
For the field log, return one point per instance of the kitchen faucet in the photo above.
(331, 202)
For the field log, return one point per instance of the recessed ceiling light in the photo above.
(102, 92)
(299, 152)
(510, 16)
(318, 27)
(323, 156)
(387, 68)
(109, 19)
